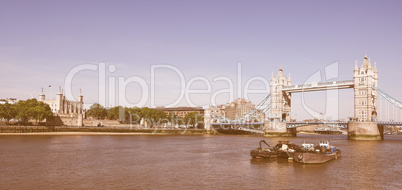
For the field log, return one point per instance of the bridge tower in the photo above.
(365, 96)
(280, 106)
(280, 101)
(364, 125)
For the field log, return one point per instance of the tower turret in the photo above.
(59, 101)
(81, 97)
(80, 103)
(42, 96)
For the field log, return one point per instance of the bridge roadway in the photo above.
(391, 123)
(303, 123)
(341, 124)
(239, 123)
(319, 86)
(290, 125)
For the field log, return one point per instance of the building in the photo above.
(62, 107)
(238, 109)
(9, 101)
(365, 96)
(280, 101)
(181, 111)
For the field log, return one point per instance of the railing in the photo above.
(341, 124)
(392, 123)
(322, 84)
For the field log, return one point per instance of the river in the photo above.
(190, 162)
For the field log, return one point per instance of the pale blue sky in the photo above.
(42, 40)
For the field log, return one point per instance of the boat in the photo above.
(310, 154)
(261, 152)
(284, 149)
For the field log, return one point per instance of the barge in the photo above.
(306, 153)
(310, 154)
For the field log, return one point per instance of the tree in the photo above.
(2, 110)
(43, 111)
(97, 111)
(154, 116)
(115, 112)
(193, 118)
(7, 112)
(24, 111)
(135, 114)
(175, 119)
(31, 109)
(119, 113)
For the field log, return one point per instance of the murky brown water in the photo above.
(189, 162)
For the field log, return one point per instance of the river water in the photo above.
(190, 162)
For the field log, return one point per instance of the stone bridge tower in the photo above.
(365, 98)
(280, 101)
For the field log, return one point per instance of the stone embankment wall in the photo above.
(47, 129)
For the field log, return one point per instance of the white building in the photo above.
(9, 101)
(62, 107)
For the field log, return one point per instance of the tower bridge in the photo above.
(363, 126)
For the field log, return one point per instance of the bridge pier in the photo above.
(276, 129)
(292, 132)
(365, 130)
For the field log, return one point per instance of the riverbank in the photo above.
(84, 133)
(46, 130)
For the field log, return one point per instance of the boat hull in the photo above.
(260, 153)
(315, 158)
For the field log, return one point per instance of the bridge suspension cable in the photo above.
(255, 109)
(388, 97)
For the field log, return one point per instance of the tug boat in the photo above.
(310, 154)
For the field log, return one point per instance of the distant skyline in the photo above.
(41, 41)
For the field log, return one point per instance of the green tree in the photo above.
(2, 111)
(97, 111)
(114, 113)
(154, 116)
(119, 113)
(42, 112)
(193, 119)
(24, 113)
(135, 114)
(8, 112)
(32, 109)
(175, 119)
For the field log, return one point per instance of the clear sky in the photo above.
(42, 41)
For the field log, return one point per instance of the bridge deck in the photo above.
(342, 124)
(391, 123)
(248, 123)
(319, 86)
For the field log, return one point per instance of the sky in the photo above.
(42, 42)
